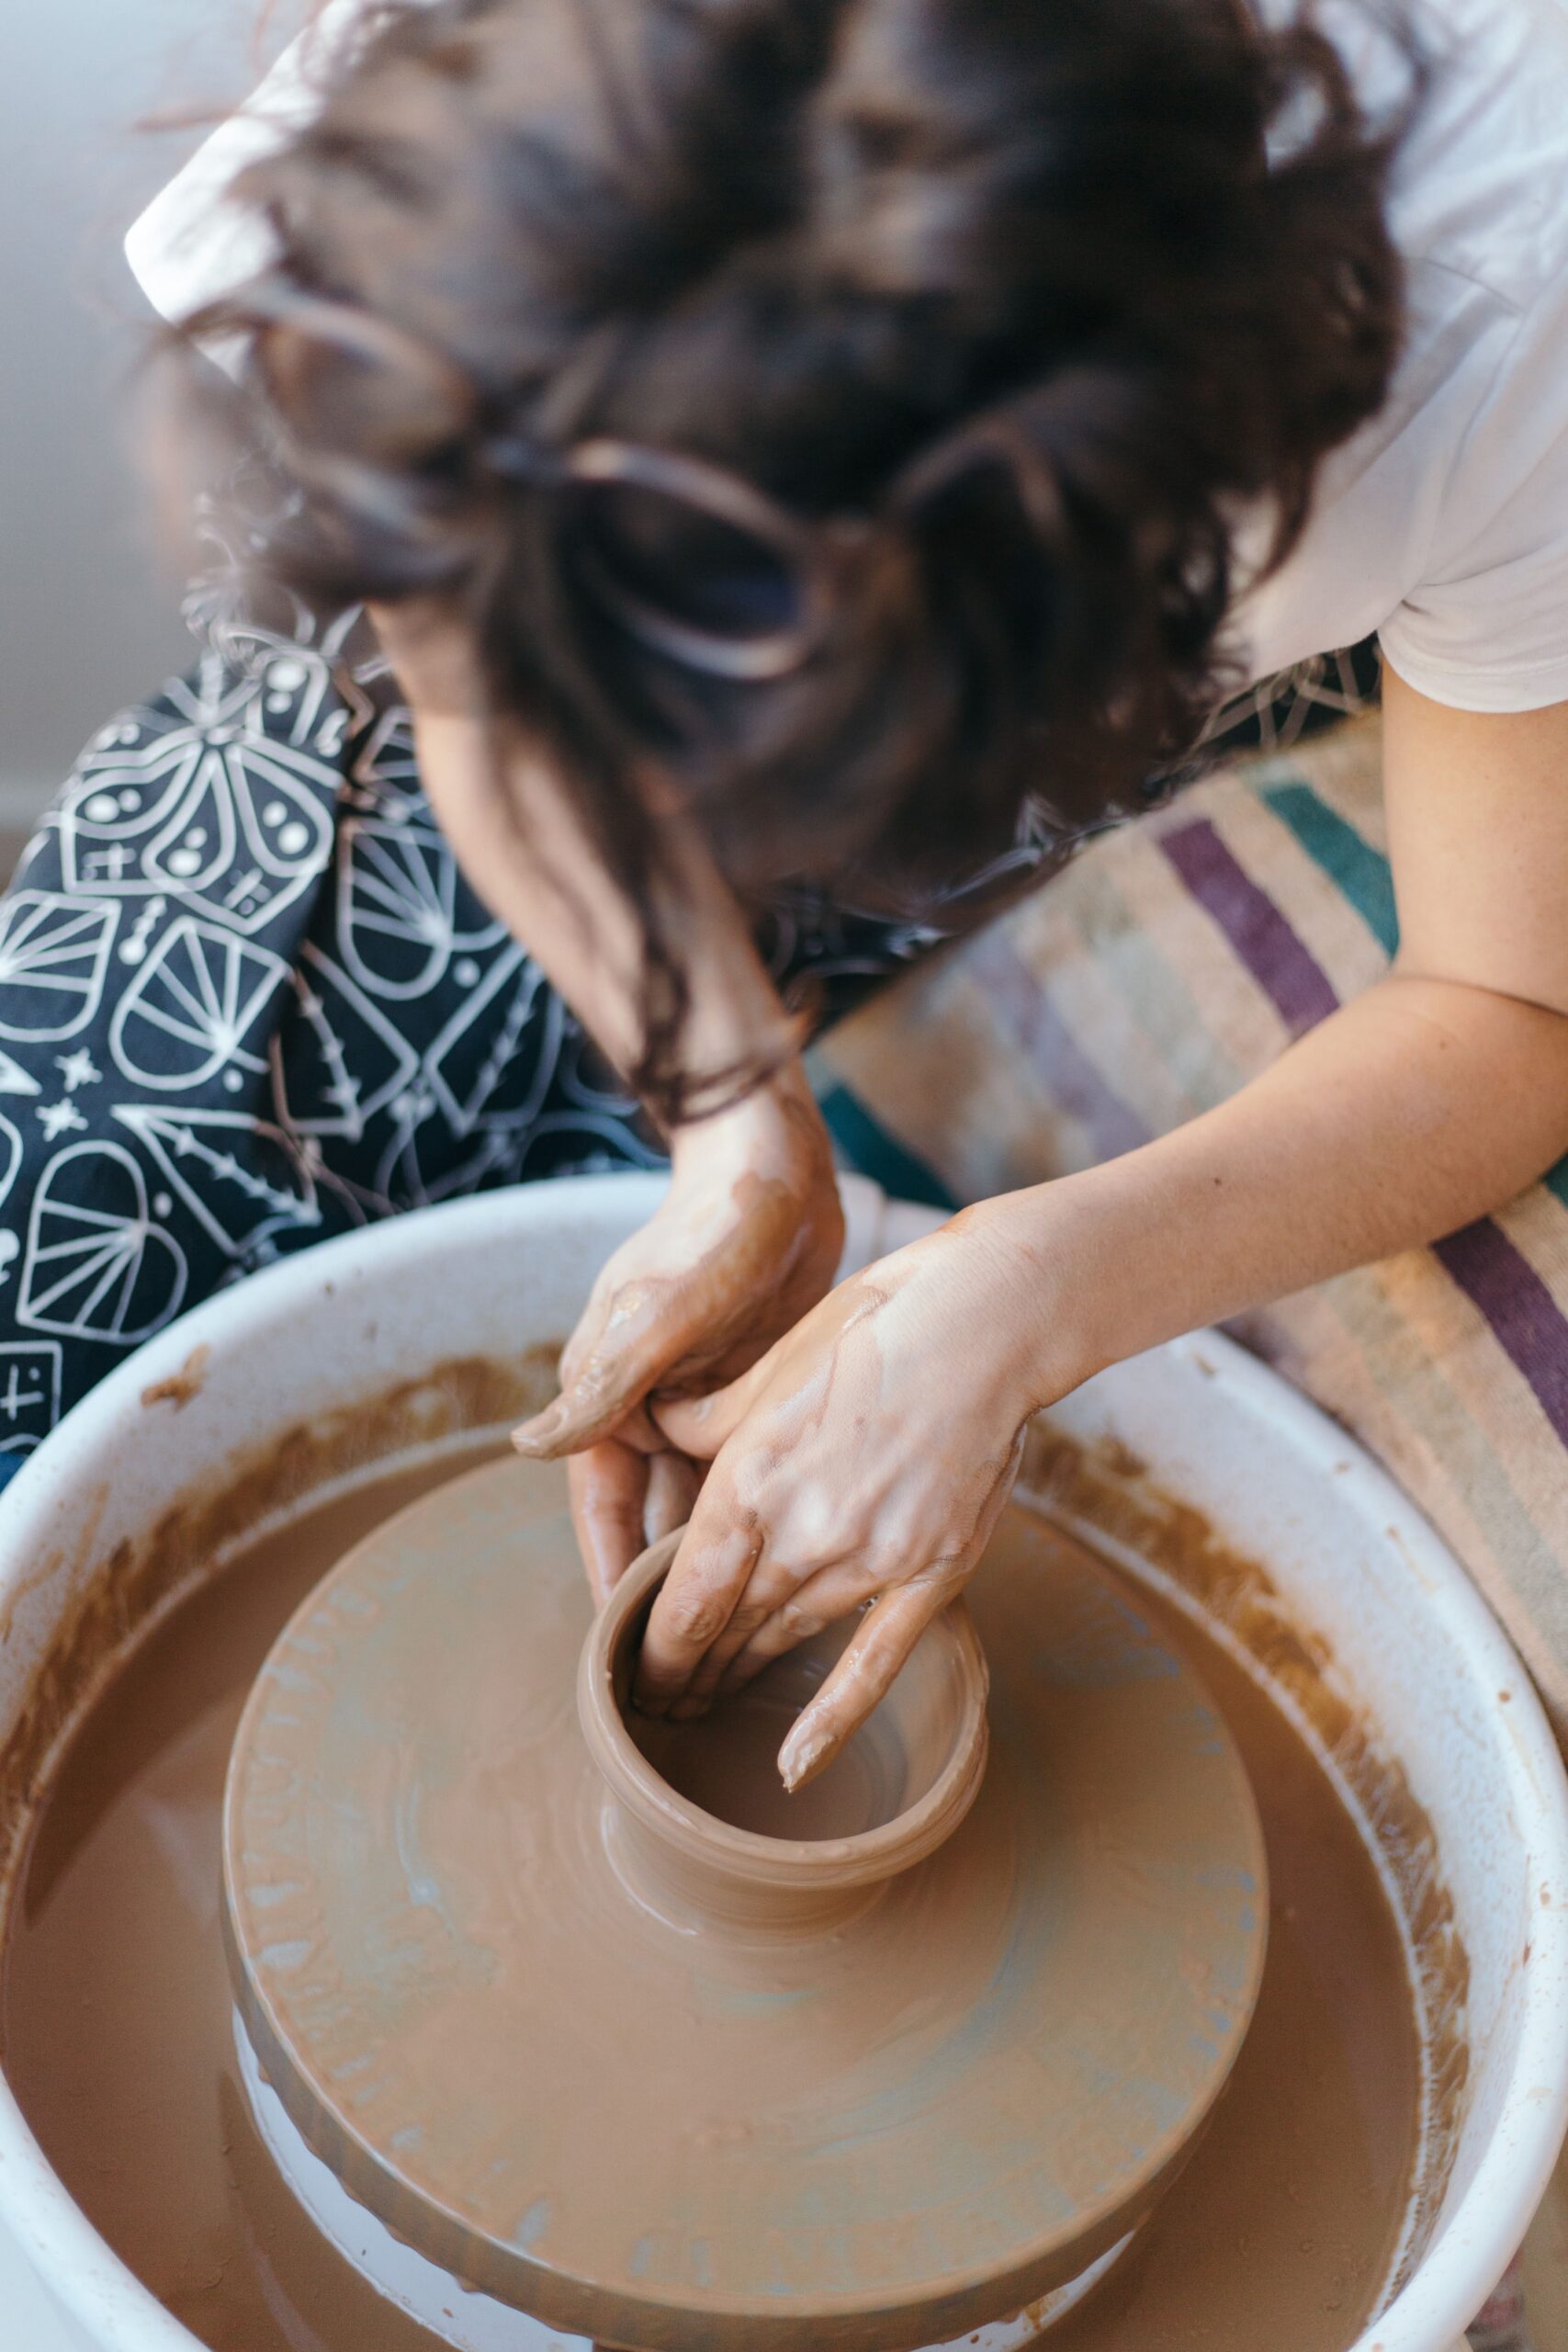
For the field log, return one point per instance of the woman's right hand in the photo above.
(745, 1243)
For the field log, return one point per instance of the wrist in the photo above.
(1038, 1280)
(768, 1159)
(774, 1126)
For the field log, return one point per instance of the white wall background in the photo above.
(88, 610)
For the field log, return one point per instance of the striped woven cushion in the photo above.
(1149, 979)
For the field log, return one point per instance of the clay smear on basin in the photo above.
(114, 2010)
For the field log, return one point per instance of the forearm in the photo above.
(1421, 1106)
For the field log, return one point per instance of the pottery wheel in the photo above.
(945, 2108)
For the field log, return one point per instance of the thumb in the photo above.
(698, 1426)
(602, 1400)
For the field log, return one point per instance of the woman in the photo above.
(841, 451)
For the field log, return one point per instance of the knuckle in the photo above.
(816, 1519)
(749, 1476)
(745, 1620)
(886, 1564)
(696, 1616)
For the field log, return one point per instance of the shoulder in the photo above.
(1480, 189)
(1443, 525)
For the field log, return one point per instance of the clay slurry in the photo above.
(727, 1762)
(493, 1971)
(115, 2021)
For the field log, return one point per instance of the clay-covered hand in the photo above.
(747, 1239)
(864, 1459)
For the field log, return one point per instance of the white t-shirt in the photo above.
(1442, 527)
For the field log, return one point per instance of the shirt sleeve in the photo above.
(1486, 630)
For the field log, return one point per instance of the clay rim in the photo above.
(807, 1864)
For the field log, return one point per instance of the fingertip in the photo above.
(859, 1682)
(539, 1437)
(662, 1685)
(701, 1425)
(809, 1749)
(654, 1693)
(583, 1415)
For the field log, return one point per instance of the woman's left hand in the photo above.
(866, 1458)
(746, 1240)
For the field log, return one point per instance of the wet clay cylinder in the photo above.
(698, 1823)
(679, 2083)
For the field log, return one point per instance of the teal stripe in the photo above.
(1556, 1181)
(865, 1146)
(1359, 871)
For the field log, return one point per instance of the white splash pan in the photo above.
(501, 1273)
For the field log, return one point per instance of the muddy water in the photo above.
(1278, 2235)
(727, 1763)
(115, 2027)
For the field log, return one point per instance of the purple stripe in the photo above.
(1297, 985)
(1525, 1317)
(1053, 1050)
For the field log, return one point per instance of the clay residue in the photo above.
(182, 1386)
(119, 1594)
(1102, 1489)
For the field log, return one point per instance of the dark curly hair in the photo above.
(1137, 247)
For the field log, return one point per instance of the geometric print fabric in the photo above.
(247, 1002)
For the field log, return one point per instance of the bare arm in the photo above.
(1439, 1093)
